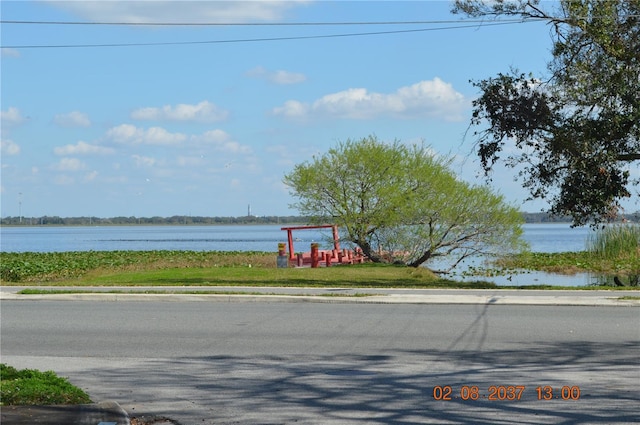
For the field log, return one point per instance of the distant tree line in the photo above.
(544, 217)
(176, 220)
(156, 221)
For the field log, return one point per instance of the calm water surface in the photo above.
(556, 237)
(541, 237)
(146, 238)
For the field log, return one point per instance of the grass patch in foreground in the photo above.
(361, 276)
(170, 292)
(32, 387)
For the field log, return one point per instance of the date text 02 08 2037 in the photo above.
(504, 393)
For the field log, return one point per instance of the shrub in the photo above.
(31, 387)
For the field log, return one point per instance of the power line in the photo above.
(253, 40)
(285, 24)
(273, 24)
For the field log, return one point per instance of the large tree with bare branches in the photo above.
(576, 130)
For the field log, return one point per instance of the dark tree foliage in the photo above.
(577, 130)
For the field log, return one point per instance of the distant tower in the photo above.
(20, 206)
(249, 210)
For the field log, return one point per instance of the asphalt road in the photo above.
(321, 363)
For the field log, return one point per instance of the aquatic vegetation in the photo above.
(50, 266)
(616, 241)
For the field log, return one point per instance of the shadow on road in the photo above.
(380, 389)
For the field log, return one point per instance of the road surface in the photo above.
(323, 363)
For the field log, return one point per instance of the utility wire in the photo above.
(273, 24)
(289, 24)
(250, 40)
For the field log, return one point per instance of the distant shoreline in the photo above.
(44, 221)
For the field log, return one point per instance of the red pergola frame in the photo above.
(336, 238)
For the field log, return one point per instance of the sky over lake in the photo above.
(107, 119)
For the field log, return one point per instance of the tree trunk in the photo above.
(629, 157)
(369, 252)
(423, 258)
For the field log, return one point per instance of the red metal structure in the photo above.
(316, 256)
(336, 239)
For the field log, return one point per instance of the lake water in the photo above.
(555, 237)
(146, 238)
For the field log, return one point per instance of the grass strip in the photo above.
(32, 291)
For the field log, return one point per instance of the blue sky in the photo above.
(208, 128)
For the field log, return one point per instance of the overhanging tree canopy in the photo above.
(577, 130)
(402, 204)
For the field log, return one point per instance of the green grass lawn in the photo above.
(361, 276)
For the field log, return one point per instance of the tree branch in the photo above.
(629, 157)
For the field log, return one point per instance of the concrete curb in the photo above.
(103, 413)
(608, 299)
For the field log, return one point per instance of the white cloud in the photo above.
(72, 119)
(221, 142)
(63, 180)
(130, 134)
(202, 112)
(178, 11)
(8, 52)
(277, 77)
(234, 147)
(292, 109)
(9, 147)
(11, 117)
(285, 77)
(217, 140)
(425, 99)
(144, 161)
(90, 176)
(190, 161)
(285, 156)
(215, 136)
(82, 148)
(69, 164)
